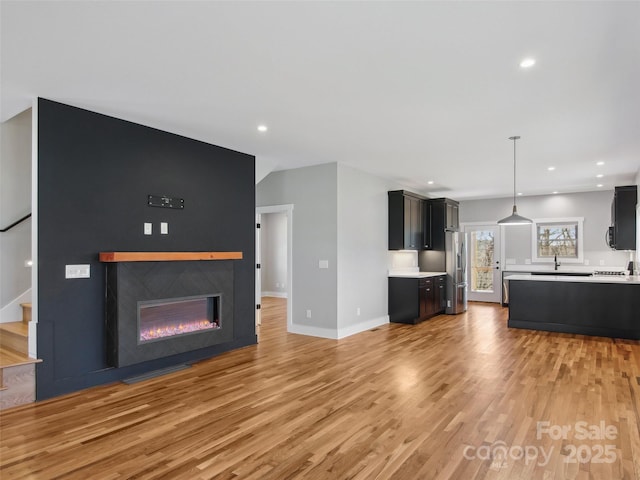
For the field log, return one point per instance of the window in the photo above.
(557, 237)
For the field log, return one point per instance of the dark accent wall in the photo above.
(94, 175)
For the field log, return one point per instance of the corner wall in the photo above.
(313, 192)
(94, 175)
(362, 251)
(15, 203)
(340, 215)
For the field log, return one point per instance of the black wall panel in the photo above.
(94, 175)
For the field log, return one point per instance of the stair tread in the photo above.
(18, 328)
(11, 358)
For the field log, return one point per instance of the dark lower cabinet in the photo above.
(412, 300)
(441, 293)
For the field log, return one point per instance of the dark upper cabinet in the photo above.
(443, 215)
(623, 217)
(406, 219)
(426, 226)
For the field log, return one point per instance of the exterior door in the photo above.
(484, 282)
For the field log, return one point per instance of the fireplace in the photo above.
(161, 319)
(157, 309)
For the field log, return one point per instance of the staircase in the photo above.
(17, 369)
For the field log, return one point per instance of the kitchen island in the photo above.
(597, 305)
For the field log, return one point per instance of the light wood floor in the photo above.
(429, 401)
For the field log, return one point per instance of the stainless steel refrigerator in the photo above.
(456, 268)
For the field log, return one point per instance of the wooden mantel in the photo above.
(167, 256)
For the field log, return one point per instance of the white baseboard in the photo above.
(312, 331)
(340, 333)
(362, 326)
(274, 294)
(12, 311)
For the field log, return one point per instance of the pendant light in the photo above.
(514, 218)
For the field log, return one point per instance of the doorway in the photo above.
(484, 263)
(274, 252)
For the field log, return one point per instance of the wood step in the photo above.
(26, 312)
(17, 379)
(11, 358)
(14, 336)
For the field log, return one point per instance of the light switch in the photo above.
(77, 271)
(323, 264)
(164, 228)
(148, 228)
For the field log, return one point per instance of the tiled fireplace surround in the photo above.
(134, 284)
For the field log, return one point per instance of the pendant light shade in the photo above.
(514, 218)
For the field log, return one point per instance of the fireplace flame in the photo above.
(181, 328)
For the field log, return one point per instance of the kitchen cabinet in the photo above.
(443, 215)
(623, 218)
(440, 292)
(412, 300)
(406, 219)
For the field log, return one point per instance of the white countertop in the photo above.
(415, 274)
(635, 279)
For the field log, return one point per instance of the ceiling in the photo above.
(410, 91)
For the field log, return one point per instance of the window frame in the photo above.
(538, 222)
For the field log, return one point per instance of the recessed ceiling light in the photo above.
(555, 192)
(519, 193)
(599, 175)
(528, 63)
(551, 169)
(262, 128)
(600, 163)
(599, 185)
(430, 182)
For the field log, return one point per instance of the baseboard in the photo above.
(12, 311)
(340, 333)
(362, 326)
(274, 294)
(312, 331)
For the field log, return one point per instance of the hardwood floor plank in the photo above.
(427, 401)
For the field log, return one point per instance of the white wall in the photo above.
(15, 202)
(362, 251)
(313, 193)
(595, 207)
(273, 254)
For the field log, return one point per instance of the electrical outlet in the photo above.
(164, 228)
(308, 313)
(586, 262)
(323, 264)
(148, 228)
(358, 311)
(601, 262)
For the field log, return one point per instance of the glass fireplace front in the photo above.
(160, 319)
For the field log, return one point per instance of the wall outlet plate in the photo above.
(164, 228)
(148, 228)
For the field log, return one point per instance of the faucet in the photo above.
(556, 264)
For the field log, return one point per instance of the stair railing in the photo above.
(17, 222)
